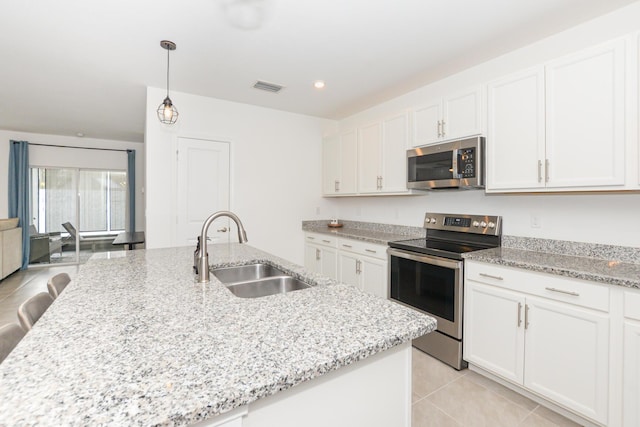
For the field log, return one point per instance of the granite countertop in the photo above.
(134, 340)
(611, 272)
(380, 234)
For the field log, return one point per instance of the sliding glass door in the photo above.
(75, 213)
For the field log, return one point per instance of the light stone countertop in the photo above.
(380, 234)
(134, 340)
(612, 272)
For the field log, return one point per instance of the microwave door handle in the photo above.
(455, 164)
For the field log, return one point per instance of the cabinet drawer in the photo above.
(632, 304)
(321, 239)
(573, 291)
(363, 248)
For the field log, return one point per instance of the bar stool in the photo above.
(30, 311)
(57, 283)
(10, 336)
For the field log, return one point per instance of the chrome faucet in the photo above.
(201, 257)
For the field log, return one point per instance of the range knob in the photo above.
(475, 223)
(433, 220)
(483, 224)
(492, 225)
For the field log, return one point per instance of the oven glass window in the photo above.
(431, 167)
(425, 286)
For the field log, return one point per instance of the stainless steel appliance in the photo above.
(457, 165)
(427, 275)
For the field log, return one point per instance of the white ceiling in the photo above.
(69, 66)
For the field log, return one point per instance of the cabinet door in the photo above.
(374, 276)
(462, 114)
(348, 162)
(427, 123)
(395, 134)
(329, 262)
(348, 265)
(330, 164)
(369, 158)
(631, 405)
(494, 330)
(586, 118)
(312, 254)
(515, 132)
(567, 356)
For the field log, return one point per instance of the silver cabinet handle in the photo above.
(358, 267)
(380, 184)
(346, 246)
(575, 294)
(526, 316)
(337, 185)
(519, 314)
(546, 170)
(439, 131)
(490, 276)
(371, 251)
(326, 241)
(444, 131)
(539, 170)
(222, 230)
(317, 254)
(311, 238)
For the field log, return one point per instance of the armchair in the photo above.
(42, 245)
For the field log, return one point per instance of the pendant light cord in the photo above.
(168, 51)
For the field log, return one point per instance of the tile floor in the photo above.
(442, 396)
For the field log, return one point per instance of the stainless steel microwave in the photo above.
(453, 165)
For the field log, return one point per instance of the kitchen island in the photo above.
(133, 340)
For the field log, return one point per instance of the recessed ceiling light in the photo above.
(318, 84)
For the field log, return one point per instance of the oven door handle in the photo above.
(427, 259)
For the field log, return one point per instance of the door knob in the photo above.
(222, 230)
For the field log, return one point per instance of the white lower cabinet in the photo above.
(631, 364)
(321, 255)
(547, 334)
(353, 262)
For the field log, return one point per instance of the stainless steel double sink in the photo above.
(257, 280)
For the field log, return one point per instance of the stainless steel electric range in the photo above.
(427, 275)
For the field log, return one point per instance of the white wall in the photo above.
(69, 157)
(275, 168)
(598, 218)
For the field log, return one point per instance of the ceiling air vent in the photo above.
(269, 87)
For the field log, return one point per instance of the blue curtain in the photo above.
(131, 186)
(19, 192)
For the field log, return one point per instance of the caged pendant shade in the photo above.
(167, 112)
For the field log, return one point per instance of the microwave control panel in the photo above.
(467, 162)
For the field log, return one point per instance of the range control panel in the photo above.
(478, 224)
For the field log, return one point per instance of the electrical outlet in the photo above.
(536, 221)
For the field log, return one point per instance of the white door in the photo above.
(374, 276)
(631, 373)
(369, 158)
(494, 330)
(348, 162)
(395, 134)
(202, 189)
(515, 134)
(427, 123)
(586, 118)
(330, 164)
(348, 264)
(567, 356)
(462, 114)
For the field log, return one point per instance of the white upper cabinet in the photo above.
(515, 131)
(382, 156)
(339, 162)
(451, 117)
(560, 126)
(585, 118)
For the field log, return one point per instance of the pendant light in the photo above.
(167, 112)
